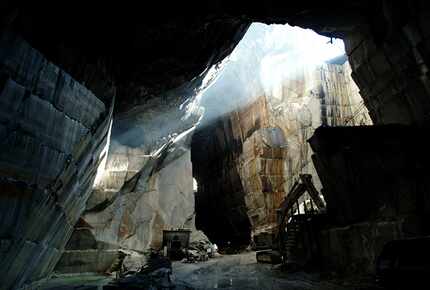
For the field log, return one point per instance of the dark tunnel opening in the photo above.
(220, 198)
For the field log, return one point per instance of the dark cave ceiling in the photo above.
(140, 51)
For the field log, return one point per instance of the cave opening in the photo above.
(278, 85)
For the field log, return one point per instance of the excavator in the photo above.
(294, 242)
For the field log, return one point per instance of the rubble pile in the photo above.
(200, 248)
(157, 268)
(155, 274)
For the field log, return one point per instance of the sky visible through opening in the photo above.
(267, 55)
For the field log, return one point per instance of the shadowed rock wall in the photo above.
(390, 59)
(53, 136)
(376, 188)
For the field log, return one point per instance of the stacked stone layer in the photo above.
(53, 132)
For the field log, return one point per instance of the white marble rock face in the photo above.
(146, 194)
(135, 220)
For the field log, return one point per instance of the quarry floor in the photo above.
(240, 272)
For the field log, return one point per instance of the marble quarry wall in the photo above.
(390, 72)
(53, 134)
(249, 159)
(146, 187)
(324, 96)
(132, 218)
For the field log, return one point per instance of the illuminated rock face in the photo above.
(161, 200)
(249, 160)
(53, 132)
(134, 220)
(141, 193)
(325, 96)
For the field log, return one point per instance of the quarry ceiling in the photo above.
(141, 52)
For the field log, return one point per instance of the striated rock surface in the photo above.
(142, 191)
(247, 162)
(53, 137)
(162, 199)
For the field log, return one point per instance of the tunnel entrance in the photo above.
(278, 85)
